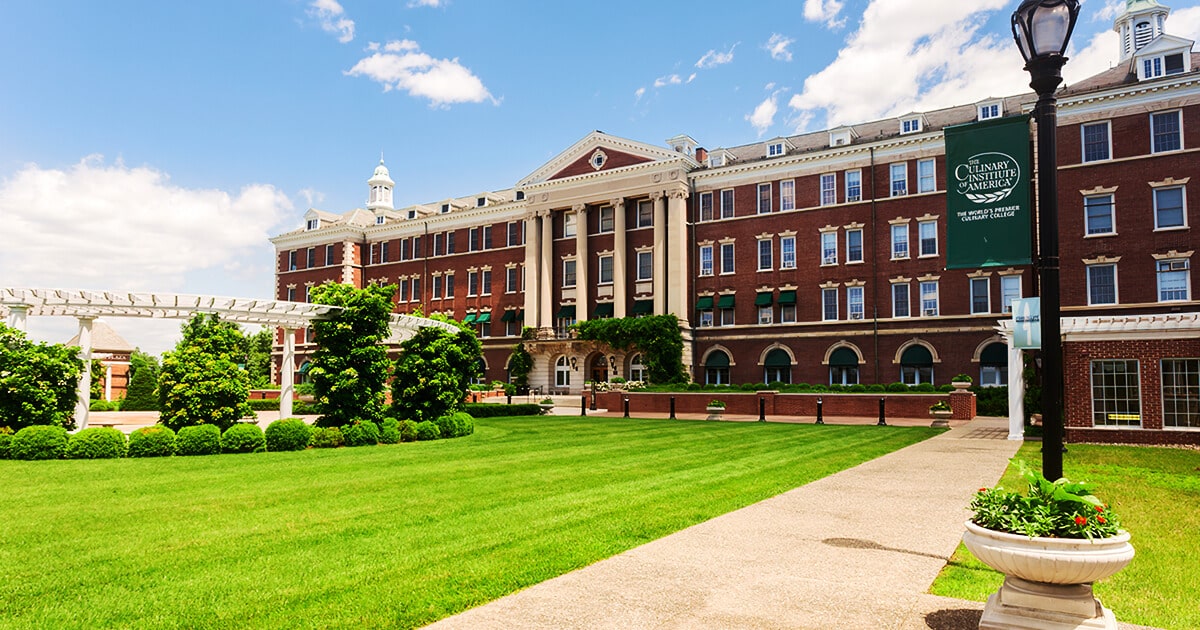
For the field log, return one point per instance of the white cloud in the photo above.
(824, 11)
(332, 18)
(763, 116)
(670, 79)
(402, 66)
(778, 45)
(691, 77)
(1108, 12)
(426, 3)
(312, 197)
(712, 58)
(639, 93)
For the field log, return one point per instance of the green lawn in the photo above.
(1156, 492)
(386, 536)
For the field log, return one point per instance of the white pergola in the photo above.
(17, 304)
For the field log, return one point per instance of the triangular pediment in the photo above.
(1165, 44)
(598, 152)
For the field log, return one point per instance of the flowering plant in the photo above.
(940, 405)
(1053, 509)
(716, 403)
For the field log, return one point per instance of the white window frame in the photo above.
(759, 201)
(926, 310)
(828, 189)
(766, 247)
(926, 181)
(855, 303)
(1179, 130)
(1088, 284)
(1137, 372)
(775, 149)
(850, 250)
(706, 207)
(611, 220)
(1112, 214)
(987, 295)
(898, 176)
(853, 193)
(898, 229)
(829, 298)
(921, 239)
(766, 315)
(910, 125)
(706, 318)
(828, 248)
(1006, 294)
(511, 280)
(312, 224)
(706, 260)
(787, 252)
(570, 224)
(649, 215)
(1083, 157)
(989, 111)
(728, 256)
(570, 273)
(787, 195)
(436, 288)
(1183, 201)
(727, 209)
(787, 313)
(600, 269)
(472, 283)
(642, 267)
(907, 301)
(1184, 267)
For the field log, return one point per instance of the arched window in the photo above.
(637, 370)
(843, 367)
(600, 369)
(777, 367)
(993, 365)
(562, 372)
(916, 365)
(716, 369)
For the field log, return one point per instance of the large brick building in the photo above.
(814, 258)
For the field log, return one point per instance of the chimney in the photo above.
(701, 155)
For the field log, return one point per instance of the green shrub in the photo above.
(389, 431)
(329, 437)
(857, 388)
(408, 431)
(198, 439)
(876, 387)
(457, 424)
(991, 401)
(947, 388)
(428, 431)
(39, 442)
(361, 433)
(694, 387)
(290, 434)
(302, 408)
(264, 404)
(5, 443)
(38, 383)
(897, 388)
(924, 387)
(820, 388)
(96, 443)
(155, 441)
(485, 410)
(243, 437)
(103, 405)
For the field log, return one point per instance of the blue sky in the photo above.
(156, 145)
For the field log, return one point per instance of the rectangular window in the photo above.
(1096, 144)
(900, 241)
(1173, 63)
(900, 300)
(404, 251)
(706, 207)
(437, 288)
(829, 304)
(787, 313)
(829, 248)
(854, 302)
(486, 281)
(706, 319)
(473, 239)
(727, 317)
(764, 198)
(727, 258)
(926, 176)
(775, 149)
(828, 189)
(569, 224)
(511, 279)
(854, 246)
(927, 231)
(514, 234)
(853, 186)
(899, 179)
(1173, 281)
(487, 237)
(727, 203)
(765, 249)
(645, 266)
(981, 299)
(472, 283)
(439, 247)
(291, 265)
(417, 250)
(416, 289)
(310, 258)
(1181, 393)
(568, 273)
(1116, 393)
(1098, 214)
(706, 260)
(291, 294)
(449, 286)
(989, 111)
(787, 195)
(606, 219)
(1102, 284)
(1164, 132)
(312, 224)
(645, 212)
(1010, 289)
(374, 253)
(402, 295)
(1151, 68)
(449, 242)
(766, 315)
(929, 299)
(787, 252)
(606, 269)
(1169, 208)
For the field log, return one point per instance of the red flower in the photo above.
(983, 489)
(1099, 508)
(1101, 519)
(1079, 520)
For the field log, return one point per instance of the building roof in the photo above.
(105, 339)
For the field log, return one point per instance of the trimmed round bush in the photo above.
(428, 431)
(857, 388)
(361, 433)
(243, 437)
(389, 431)
(289, 434)
(39, 442)
(329, 437)
(897, 388)
(96, 443)
(924, 387)
(103, 405)
(456, 424)
(5, 443)
(876, 387)
(198, 439)
(155, 441)
(408, 431)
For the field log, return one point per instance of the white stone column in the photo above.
(17, 315)
(83, 393)
(108, 382)
(1016, 392)
(660, 253)
(545, 288)
(287, 371)
(618, 257)
(677, 262)
(581, 263)
(533, 246)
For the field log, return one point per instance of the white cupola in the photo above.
(381, 184)
(1141, 23)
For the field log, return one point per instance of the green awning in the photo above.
(484, 318)
(566, 312)
(916, 355)
(787, 297)
(705, 303)
(994, 354)
(469, 319)
(643, 307)
(843, 357)
(726, 301)
(764, 299)
(777, 358)
(509, 316)
(521, 315)
(305, 367)
(603, 309)
(717, 359)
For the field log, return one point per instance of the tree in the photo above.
(520, 363)
(350, 368)
(657, 336)
(98, 371)
(434, 371)
(258, 357)
(200, 382)
(37, 381)
(143, 376)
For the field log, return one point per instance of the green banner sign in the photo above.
(988, 201)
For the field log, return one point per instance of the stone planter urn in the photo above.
(960, 385)
(1047, 581)
(546, 407)
(714, 412)
(941, 418)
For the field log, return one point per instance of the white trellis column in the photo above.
(83, 394)
(17, 314)
(1016, 392)
(287, 373)
(108, 382)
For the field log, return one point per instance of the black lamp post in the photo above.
(1042, 29)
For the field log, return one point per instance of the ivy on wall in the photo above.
(657, 337)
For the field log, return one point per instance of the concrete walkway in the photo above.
(858, 549)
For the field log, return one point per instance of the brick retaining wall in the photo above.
(778, 404)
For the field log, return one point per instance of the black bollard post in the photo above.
(593, 400)
(672, 417)
(626, 406)
(583, 405)
(882, 422)
(820, 416)
(762, 409)
(508, 397)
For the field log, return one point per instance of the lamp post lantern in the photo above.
(1042, 29)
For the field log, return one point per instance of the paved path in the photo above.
(858, 549)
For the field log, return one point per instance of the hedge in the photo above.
(155, 441)
(484, 410)
(289, 434)
(408, 431)
(5, 443)
(389, 431)
(264, 404)
(456, 424)
(428, 431)
(361, 433)
(329, 437)
(96, 443)
(39, 442)
(198, 439)
(243, 437)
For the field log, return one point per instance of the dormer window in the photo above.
(520, 195)
(379, 220)
(716, 160)
(910, 125)
(1163, 65)
(775, 149)
(445, 208)
(480, 202)
(412, 214)
(839, 138)
(987, 111)
(312, 224)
